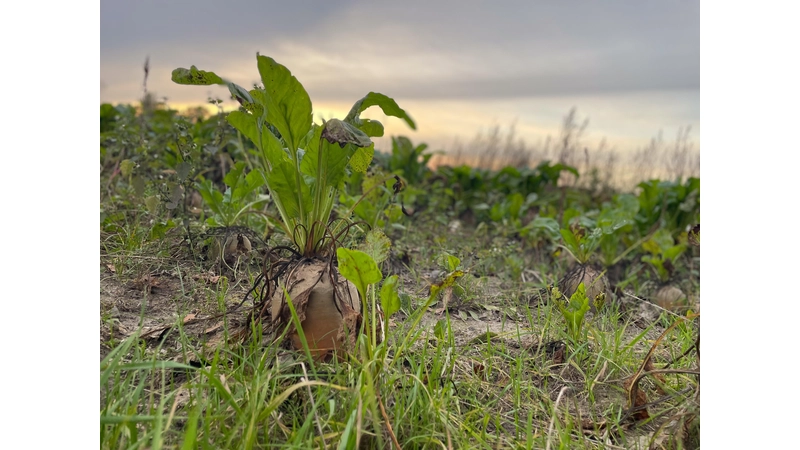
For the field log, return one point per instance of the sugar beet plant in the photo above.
(303, 165)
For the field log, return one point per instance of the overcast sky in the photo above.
(631, 67)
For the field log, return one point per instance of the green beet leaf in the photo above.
(574, 311)
(570, 241)
(194, 76)
(548, 225)
(362, 158)
(359, 268)
(371, 128)
(268, 143)
(452, 263)
(387, 104)
(327, 158)
(282, 184)
(390, 301)
(286, 100)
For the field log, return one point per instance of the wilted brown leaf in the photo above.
(398, 185)
(208, 277)
(479, 370)
(558, 355)
(636, 399)
(648, 367)
(590, 427)
(212, 329)
(555, 350)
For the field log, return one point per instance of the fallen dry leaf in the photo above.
(590, 428)
(208, 277)
(558, 356)
(146, 283)
(111, 268)
(212, 329)
(479, 370)
(148, 332)
(555, 350)
(648, 367)
(636, 399)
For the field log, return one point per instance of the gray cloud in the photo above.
(431, 50)
(126, 25)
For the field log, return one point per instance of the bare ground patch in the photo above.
(489, 312)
